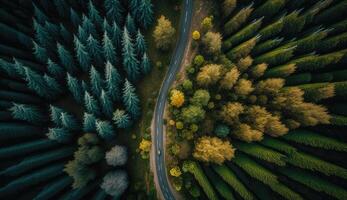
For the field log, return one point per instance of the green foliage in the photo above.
(339, 120)
(91, 104)
(95, 81)
(237, 20)
(222, 130)
(109, 50)
(89, 122)
(27, 113)
(200, 98)
(193, 114)
(283, 71)
(130, 61)
(269, 8)
(104, 129)
(131, 100)
(61, 135)
(82, 55)
(223, 189)
(230, 177)
(266, 46)
(243, 49)
(75, 88)
(66, 59)
(276, 57)
(80, 174)
(121, 119)
(271, 30)
(115, 183)
(297, 79)
(112, 81)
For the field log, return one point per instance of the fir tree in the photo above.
(130, 25)
(74, 18)
(54, 87)
(140, 44)
(54, 69)
(61, 135)
(130, 100)
(112, 81)
(61, 6)
(96, 81)
(55, 114)
(27, 113)
(134, 7)
(121, 119)
(91, 104)
(94, 15)
(145, 14)
(109, 50)
(130, 62)
(82, 55)
(95, 50)
(116, 36)
(106, 27)
(82, 35)
(114, 10)
(52, 29)
(65, 34)
(145, 64)
(40, 53)
(88, 26)
(89, 122)
(41, 35)
(36, 82)
(40, 16)
(66, 59)
(75, 88)
(104, 129)
(69, 122)
(8, 68)
(106, 104)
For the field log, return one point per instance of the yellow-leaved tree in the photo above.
(176, 98)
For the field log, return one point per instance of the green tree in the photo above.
(200, 98)
(112, 81)
(130, 61)
(193, 114)
(104, 129)
(163, 33)
(130, 100)
(27, 113)
(121, 119)
(82, 55)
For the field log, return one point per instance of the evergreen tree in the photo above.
(55, 114)
(66, 59)
(95, 50)
(106, 104)
(62, 7)
(130, 100)
(82, 55)
(36, 82)
(104, 129)
(121, 119)
(74, 18)
(116, 36)
(54, 69)
(40, 16)
(82, 35)
(40, 53)
(140, 44)
(145, 14)
(145, 64)
(130, 62)
(69, 122)
(41, 35)
(54, 87)
(61, 135)
(109, 50)
(88, 26)
(96, 81)
(89, 122)
(8, 68)
(130, 25)
(65, 34)
(52, 29)
(91, 104)
(75, 88)
(112, 81)
(94, 15)
(106, 27)
(114, 10)
(27, 113)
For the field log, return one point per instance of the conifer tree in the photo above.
(82, 35)
(27, 113)
(41, 35)
(94, 15)
(54, 87)
(9, 68)
(91, 104)
(95, 50)
(36, 82)
(145, 64)
(54, 69)
(75, 88)
(140, 44)
(106, 27)
(106, 104)
(40, 16)
(40, 53)
(89, 122)
(65, 34)
(130, 62)
(109, 50)
(55, 114)
(88, 26)
(52, 29)
(104, 129)
(82, 55)
(116, 36)
(75, 18)
(134, 7)
(61, 135)
(130, 100)
(130, 25)
(145, 14)
(69, 122)
(121, 119)
(66, 59)
(61, 6)
(96, 81)
(114, 10)
(112, 81)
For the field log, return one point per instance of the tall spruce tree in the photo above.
(69, 122)
(88, 26)
(66, 59)
(54, 87)
(106, 104)
(130, 62)
(112, 81)
(82, 35)
(96, 81)
(65, 34)
(94, 15)
(40, 16)
(41, 35)
(36, 82)
(121, 119)
(109, 50)
(27, 113)
(75, 88)
(131, 100)
(95, 50)
(116, 36)
(140, 44)
(89, 122)
(130, 25)
(105, 129)
(40, 52)
(145, 14)
(145, 64)
(55, 114)
(91, 104)
(114, 10)
(55, 69)
(82, 55)
(61, 135)
(75, 18)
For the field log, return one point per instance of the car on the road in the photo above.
(159, 152)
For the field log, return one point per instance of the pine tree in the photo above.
(95, 50)
(36, 82)
(134, 7)
(140, 44)
(276, 57)
(62, 7)
(40, 16)
(271, 30)
(106, 104)
(145, 64)
(54, 69)
(54, 87)
(52, 29)
(130, 100)
(91, 104)
(237, 20)
(66, 59)
(96, 81)
(55, 114)
(269, 8)
(41, 35)
(116, 36)
(112, 81)
(130, 62)
(82, 35)
(65, 34)
(75, 88)
(89, 122)
(9, 68)
(106, 27)
(109, 50)
(69, 122)
(88, 26)
(105, 129)
(121, 119)
(74, 18)
(27, 113)
(40, 52)
(94, 15)
(266, 46)
(60, 135)
(82, 55)
(114, 10)
(130, 25)
(145, 14)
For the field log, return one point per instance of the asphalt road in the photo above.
(175, 63)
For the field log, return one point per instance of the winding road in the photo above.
(175, 63)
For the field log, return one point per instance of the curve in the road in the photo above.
(175, 63)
